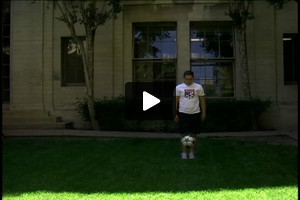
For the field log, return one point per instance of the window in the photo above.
(290, 58)
(212, 57)
(72, 65)
(6, 51)
(155, 52)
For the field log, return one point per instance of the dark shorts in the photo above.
(189, 123)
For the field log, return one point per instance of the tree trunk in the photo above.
(88, 66)
(242, 41)
(90, 36)
(87, 55)
(91, 106)
(239, 12)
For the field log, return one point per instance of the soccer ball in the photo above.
(187, 141)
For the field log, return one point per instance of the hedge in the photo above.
(223, 115)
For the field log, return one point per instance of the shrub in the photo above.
(233, 115)
(109, 111)
(222, 115)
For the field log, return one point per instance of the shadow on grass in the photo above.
(89, 165)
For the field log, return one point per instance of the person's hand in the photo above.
(176, 118)
(203, 116)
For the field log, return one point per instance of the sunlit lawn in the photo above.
(89, 168)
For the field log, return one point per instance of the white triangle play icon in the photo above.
(149, 101)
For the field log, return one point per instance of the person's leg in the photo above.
(195, 124)
(182, 129)
(189, 131)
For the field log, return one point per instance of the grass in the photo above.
(89, 168)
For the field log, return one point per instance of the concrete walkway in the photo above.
(120, 134)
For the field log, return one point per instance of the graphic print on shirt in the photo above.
(189, 93)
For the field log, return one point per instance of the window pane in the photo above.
(201, 82)
(155, 50)
(226, 49)
(198, 50)
(141, 34)
(155, 45)
(154, 41)
(5, 70)
(204, 71)
(6, 41)
(211, 41)
(70, 76)
(291, 58)
(212, 49)
(5, 96)
(5, 82)
(225, 76)
(6, 30)
(199, 71)
(169, 71)
(155, 34)
(296, 58)
(216, 77)
(5, 58)
(143, 71)
(148, 71)
(80, 75)
(141, 50)
(72, 63)
(217, 37)
(226, 37)
(211, 32)
(6, 12)
(288, 60)
(170, 33)
(169, 50)
(225, 31)
(211, 36)
(157, 71)
(197, 34)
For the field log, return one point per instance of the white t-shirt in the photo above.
(189, 97)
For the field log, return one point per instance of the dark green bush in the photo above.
(110, 112)
(222, 115)
(233, 115)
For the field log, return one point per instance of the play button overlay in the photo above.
(149, 101)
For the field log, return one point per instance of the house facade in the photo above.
(155, 40)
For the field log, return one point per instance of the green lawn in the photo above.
(90, 168)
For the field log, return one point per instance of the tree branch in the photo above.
(83, 13)
(71, 16)
(64, 18)
(74, 36)
(104, 5)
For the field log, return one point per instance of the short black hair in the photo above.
(187, 73)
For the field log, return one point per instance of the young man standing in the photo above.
(190, 110)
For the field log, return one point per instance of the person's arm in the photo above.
(177, 108)
(203, 107)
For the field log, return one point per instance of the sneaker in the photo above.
(184, 155)
(191, 155)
